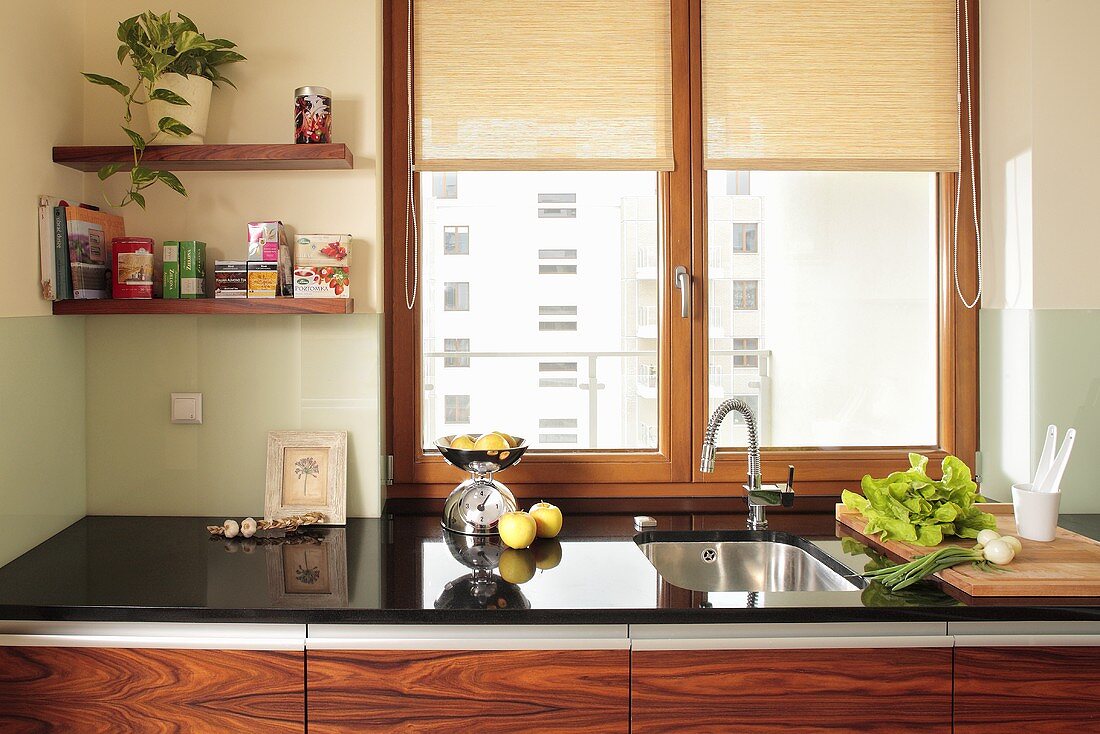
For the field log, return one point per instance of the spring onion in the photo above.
(904, 575)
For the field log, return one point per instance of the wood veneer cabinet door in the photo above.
(485, 691)
(1040, 689)
(863, 690)
(97, 689)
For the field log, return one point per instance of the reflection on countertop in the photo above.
(406, 568)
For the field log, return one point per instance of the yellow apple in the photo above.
(462, 442)
(512, 442)
(547, 553)
(517, 529)
(491, 442)
(547, 518)
(517, 566)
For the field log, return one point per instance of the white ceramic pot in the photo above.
(196, 90)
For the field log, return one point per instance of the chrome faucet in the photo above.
(760, 496)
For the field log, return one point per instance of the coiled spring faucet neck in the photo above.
(710, 438)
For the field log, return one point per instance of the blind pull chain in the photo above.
(965, 13)
(410, 203)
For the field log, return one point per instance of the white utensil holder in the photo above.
(1036, 512)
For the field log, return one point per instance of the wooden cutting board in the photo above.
(1068, 566)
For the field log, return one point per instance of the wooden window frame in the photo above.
(671, 469)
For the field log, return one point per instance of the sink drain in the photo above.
(709, 555)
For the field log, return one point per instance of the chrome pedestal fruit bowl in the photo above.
(475, 506)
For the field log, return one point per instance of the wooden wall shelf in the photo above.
(273, 157)
(107, 306)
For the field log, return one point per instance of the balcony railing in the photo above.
(645, 375)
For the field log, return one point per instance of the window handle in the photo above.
(682, 280)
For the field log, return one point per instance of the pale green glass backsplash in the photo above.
(42, 486)
(256, 374)
(1037, 368)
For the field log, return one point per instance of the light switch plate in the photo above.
(186, 407)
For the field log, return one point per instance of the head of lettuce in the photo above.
(911, 506)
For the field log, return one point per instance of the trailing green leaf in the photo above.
(172, 181)
(167, 95)
(108, 170)
(137, 199)
(173, 126)
(135, 139)
(107, 81)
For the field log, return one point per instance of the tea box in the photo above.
(192, 269)
(133, 267)
(230, 279)
(322, 282)
(267, 242)
(312, 250)
(263, 279)
(170, 269)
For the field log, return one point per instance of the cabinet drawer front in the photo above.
(98, 689)
(1042, 689)
(787, 690)
(483, 691)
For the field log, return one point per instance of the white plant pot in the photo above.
(196, 90)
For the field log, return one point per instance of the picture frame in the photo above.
(309, 575)
(307, 471)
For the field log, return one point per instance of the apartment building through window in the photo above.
(445, 185)
(456, 240)
(746, 360)
(456, 296)
(456, 345)
(557, 262)
(745, 295)
(744, 236)
(456, 409)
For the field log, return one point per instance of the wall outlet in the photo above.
(186, 407)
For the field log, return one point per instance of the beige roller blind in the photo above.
(830, 85)
(573, 84)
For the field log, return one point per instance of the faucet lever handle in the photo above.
(790, 476)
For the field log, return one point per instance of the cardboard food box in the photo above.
(133, 267)
(230, 279)
(312, 250)
(263, 279)
(170, 269)
(192, 269)
(267, 242)
(322, 282)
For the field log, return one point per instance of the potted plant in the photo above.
(177, 69)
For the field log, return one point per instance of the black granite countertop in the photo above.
(401, 569)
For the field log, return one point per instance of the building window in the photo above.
(557, 310)
(456, 296)
(557, 326)
(557, 382)
(745, 236)
(746, 360)
(558, 438)
(558, 423)
(557, 212)
(456, 345)
(737, 183)
(456, 409)
(445, 185)
(557, 366)
(557, 198)
(557, 254)
(557, 268)
(745, 295)
(456, 240)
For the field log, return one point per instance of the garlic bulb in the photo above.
(248, 527)
(231, 528)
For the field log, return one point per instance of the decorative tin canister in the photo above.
(312, 115)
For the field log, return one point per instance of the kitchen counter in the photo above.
(400, 570)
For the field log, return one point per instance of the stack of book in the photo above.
(75, 247)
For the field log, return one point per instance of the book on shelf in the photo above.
(89, 236)
(53, 244)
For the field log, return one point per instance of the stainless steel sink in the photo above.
(744, 560)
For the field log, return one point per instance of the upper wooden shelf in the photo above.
(107, 306)
(274, 157)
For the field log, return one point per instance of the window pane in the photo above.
(456, 345)
(456, 240)
(823, 306)
(539, 371)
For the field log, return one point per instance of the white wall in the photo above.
(1040, 323)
